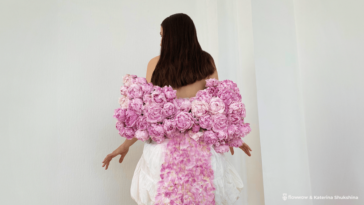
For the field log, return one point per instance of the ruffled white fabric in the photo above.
(143, 190)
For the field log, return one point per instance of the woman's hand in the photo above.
(122, 150)
(245, 147)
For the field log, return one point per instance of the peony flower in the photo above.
(232, 131)
(124, 102)
(136, 105)
(236, 142)
(195, 135)
(147, 99)
(212, 82)
(236, 107)
(169, 93)
(233, 118)
(119, 114)
(195, 128)
(156, 132)
(128, 133)
(142, 135)
(205, 122)
(199, 108)
(120, 126)
(141, 123)
(222, 134)
(135, 91)
(147, 88)
(219, 122)
(221, 148)
(128, 79)
(158, 96)
(183, 104)
(184, 121)
(217, 106)
(123, 90)
(203, 95)
(140, 80)
(169, 110)
(153, 113)
(226, 95)
(169, 126)
(212, 91)
(130, 118)
(227, 84)
(209, 137)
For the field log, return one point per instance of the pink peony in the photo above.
(236, 142)
(169, 126)
(169, 110)
(182, 104)
(156, 132)
(234, 118)
(128, 80)
(217, 106)
(141, 123)
(204, 95)
(222, 134)
(123, 90)
(195, 128)
(119, 114)
(135, 91)
(236, 107)
(136, 105)
(184, 121)
(212, 91)
(128, 133)
(199, 108)
(153, 113)
(205, 122)
(195, 135)
(130, 118)
(169, 93)
(233, 131)
(221, 148)
(158, 96)
(142, 135)
(219, 122)
(209, 137)
(124, 102)
(212, 82)
(147, 99)
(226, 84)
(226, 95)
(147, 88)
(140, 80)
(120, 126)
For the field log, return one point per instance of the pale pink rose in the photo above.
(128, 79)
(153, 112)
(142, 135)
(124, 90)
(169, 110)
(221, 148)
(210, 137)
(217, 106)
(236, 142)
(135, 91)
(205, 122)
(124, 102)
(131, 118)
(119, 114)
(158, 96)
(219, 122)
(128, 133)
(169, 93)
(142, 123)
(136, 104)
(147, 88)
(199, 108)
(195, 135)
(147, 99)
(140, 80)
(184, 121)
(169, 126)
(203, 95)
(211, 82)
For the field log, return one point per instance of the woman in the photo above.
(183, 65)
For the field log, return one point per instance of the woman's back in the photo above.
(186, 91)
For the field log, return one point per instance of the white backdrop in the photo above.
(61, 68)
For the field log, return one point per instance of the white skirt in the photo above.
(227, 182)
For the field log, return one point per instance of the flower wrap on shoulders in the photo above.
(214, 118)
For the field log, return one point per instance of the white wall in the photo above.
(330, 36)
(61, 68)
(281, 119)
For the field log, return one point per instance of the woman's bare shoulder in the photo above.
(150, 68)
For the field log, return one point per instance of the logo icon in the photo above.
(284, 196)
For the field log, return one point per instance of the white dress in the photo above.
(227, 182)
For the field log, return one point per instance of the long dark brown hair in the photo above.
(182, 60)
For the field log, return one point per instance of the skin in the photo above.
(183, 92)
